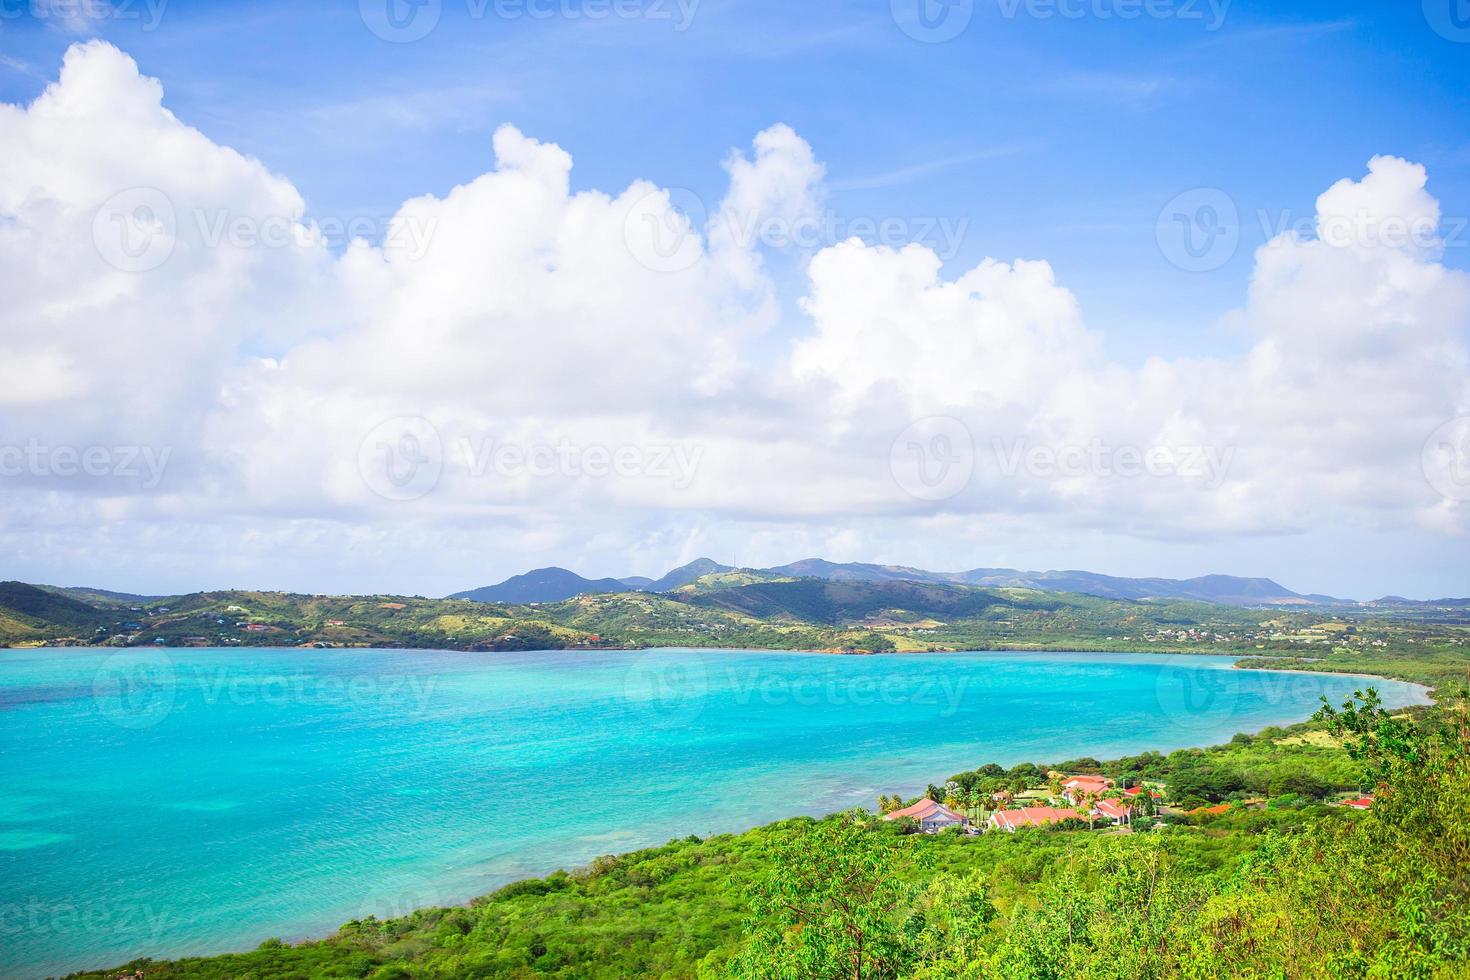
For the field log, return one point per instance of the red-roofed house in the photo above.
(932, 817)
(1031, 816)
(1133, 791)
(1361, 803)
(1118, 812)
(1076, 787)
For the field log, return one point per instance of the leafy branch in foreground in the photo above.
(845, 902)
(1417, 770)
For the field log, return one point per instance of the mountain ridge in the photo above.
(1232, 590)
(551, 584)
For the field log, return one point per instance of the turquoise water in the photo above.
(195, 801)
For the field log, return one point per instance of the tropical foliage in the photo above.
(1296, 889)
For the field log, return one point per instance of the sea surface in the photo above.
(169, 802)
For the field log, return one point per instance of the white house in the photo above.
(1121, 814)
(1030, 816)
(932, 817)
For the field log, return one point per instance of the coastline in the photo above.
(1428, 690)
(551, 866)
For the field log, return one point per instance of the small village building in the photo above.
(1030, 816)
(1361, 803)
(1076, 788)
(1119, 813)
(932, 817)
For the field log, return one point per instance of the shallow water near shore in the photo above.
(173, 802)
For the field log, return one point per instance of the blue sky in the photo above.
(1056, 137)
(1052, 131)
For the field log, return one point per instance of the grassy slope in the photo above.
(665, 911)
(40, 606)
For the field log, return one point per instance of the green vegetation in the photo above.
(1278, 884)
(761, 611)
(1288, 765)
(1290, 889)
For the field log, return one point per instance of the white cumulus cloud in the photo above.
(165, 291)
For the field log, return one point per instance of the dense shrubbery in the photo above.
(1318, 896)
(1296, 889)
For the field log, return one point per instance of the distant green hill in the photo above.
(745, 608)
(554, 584)
(836, 602)
(542, 585)
(41, 610)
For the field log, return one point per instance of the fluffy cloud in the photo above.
(584, 373)
(1360, 352)
(126, 303)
